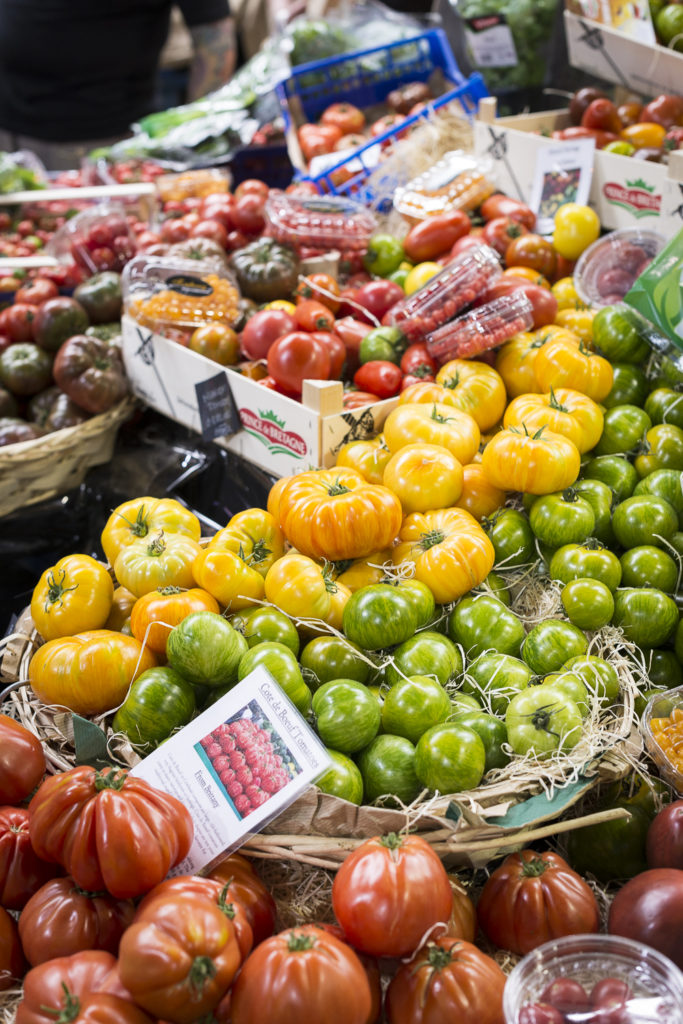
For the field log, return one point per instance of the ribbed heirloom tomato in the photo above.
(424, 477)
(22, 761)
(234, 564)
(141, 517)
(475, 388)
(245, 886)
(159, 560)
(433, 424)
(516, 459)
(73, 595)
(12, 962)
(22, 872)
(154, 614)
(369, 458)
(564, 411)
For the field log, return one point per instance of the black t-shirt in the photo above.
(73, 70)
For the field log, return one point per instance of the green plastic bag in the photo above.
(658, 293)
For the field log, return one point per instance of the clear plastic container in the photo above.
(484, 328)
(96, 239)
(458, 181)
(447, 293)
(650, 984)
(318, 225)
(193, 184)
(164, 291)
(606, 270)
(669, 759)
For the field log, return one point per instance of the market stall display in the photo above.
(456, 605)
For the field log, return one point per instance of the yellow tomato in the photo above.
(560, 364)
(71, 596)
(367, 457)
(450, 551)
(274, 497)
(162, 560)
(538, 463)
(338, 598)
(515, 364)
(419, 275)
(284, 304)
(579, 321)
(424, 477)
(433, 424)
(121, 607)
(575, 227)
(143, 517)
(644, 135)
(479, 496)
(476, 388)
(529, 274)
(300, 587)
(566, 294)
(364, 571)
(564, 411)
(255, 536)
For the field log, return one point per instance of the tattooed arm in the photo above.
(214, 56)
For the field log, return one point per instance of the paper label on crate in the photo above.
(236, 766)
(217, 409)
(562, 175)
(490, 41)
(634, 20)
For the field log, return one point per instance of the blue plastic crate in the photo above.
(365, 78)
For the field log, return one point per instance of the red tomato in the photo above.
(665, 110)
(532, 250)
(470, 241)
(12, 962)
(262, 329)
(379, 296)
(379, 377)
(298, 357)
(337, 350)
(236, 240)
(22, 872)
(581, 132)
(416, 358)
(212, 229)
(543, 301)
(219, 209)
(251, 186)
(344, 116)
(317, 139)
(499, 205)
(359, 399)
(321, 287)
(174, 231)
(311, 315)
(416, 378)
(17, 321)
(602, 115)
(351, 332)
(649, 908)
(500, 231)
(434, 235)
(385, 124)
(665, 838)
(247, 214)
(37, 291)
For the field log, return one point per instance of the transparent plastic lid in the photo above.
(458, 181)
(482, 329)
(662, 727)
(96, 239)
(606, 270)
(169, 291)
(324, 222)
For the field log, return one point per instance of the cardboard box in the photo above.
(609, 54)
(624, 192)
(280, 435)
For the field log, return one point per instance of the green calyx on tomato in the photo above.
(562, 518)
(541, 720)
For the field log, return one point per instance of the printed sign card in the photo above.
(236, 766)
(562, 175)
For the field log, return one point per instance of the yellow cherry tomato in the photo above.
(283, 304)
(419, 275)
(575, 228)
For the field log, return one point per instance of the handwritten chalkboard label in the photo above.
(217, 409)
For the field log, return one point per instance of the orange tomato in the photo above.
(530, 273)
(560, 364)
(155, 614)
(479, 496)
(321, 287)
(433, 424)
(367, 457)
(424, 477)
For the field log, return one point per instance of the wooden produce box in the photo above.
(609, 54)
(277, 433)
(624, 192)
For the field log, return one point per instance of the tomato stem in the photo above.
(534, 868)
(298, 942)
(393, 841)
(569, 494)
(451, 382)
(112, 778)
(68, 1012)
(56, 589)
(139, 526)
(337, 488)
(223, 903)
(431, 539)
(157, 545)
(168, 591)
(203, 969)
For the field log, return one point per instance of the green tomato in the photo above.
(383, 255)
(483, 623)
(571, 684)
(664, 405)
(648, 566)
(669, 26)
(385, 343)
(205, 649)
(676, 543)
(669, 374)
(664, 483)
(623, 429)
(647, 616)
(450, 758)
(492, 733)
(330, 657)
(388, 768)
(264, 623)
(644, 519)
(562, 518)
(585, 561)
(629, 387)
(617, 338)
(463, 702)
(621, 148)
(379, 615)
(588, 603)
(158, 702)
(495, 585)
(512, 538)
(421, 599)
(663, 669)
(550, 644)
(645, 696)
(347, 715)
(678, 641)
(414, 705)
(610, 850)
(663, 450)
(497, 678)
(599, 497)
(615, 471)
(599, 676)
(283, 667)
(342, 779)
(399, 276)
(425, 654)
(542, 720)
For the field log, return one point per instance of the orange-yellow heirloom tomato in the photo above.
(143, 517)
(301, 587)
(89, 673)
(363, 571)
(449, 549)
(338, 598)
(433, 424)
(423, 477)
(336, 514)
(578, 321)
(475, 388)
(538, 463)
(560, 364)
(479, 496)
(160, 560)
(121, 607)
(368, 457)
(515, 359)
(73, 595)
(155, 614)
(233, 566)
(564, 411)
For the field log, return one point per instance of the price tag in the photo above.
(217, 409)
(490, 41)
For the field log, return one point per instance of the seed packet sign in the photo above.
(237, 766)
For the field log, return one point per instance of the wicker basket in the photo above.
(32, 471)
